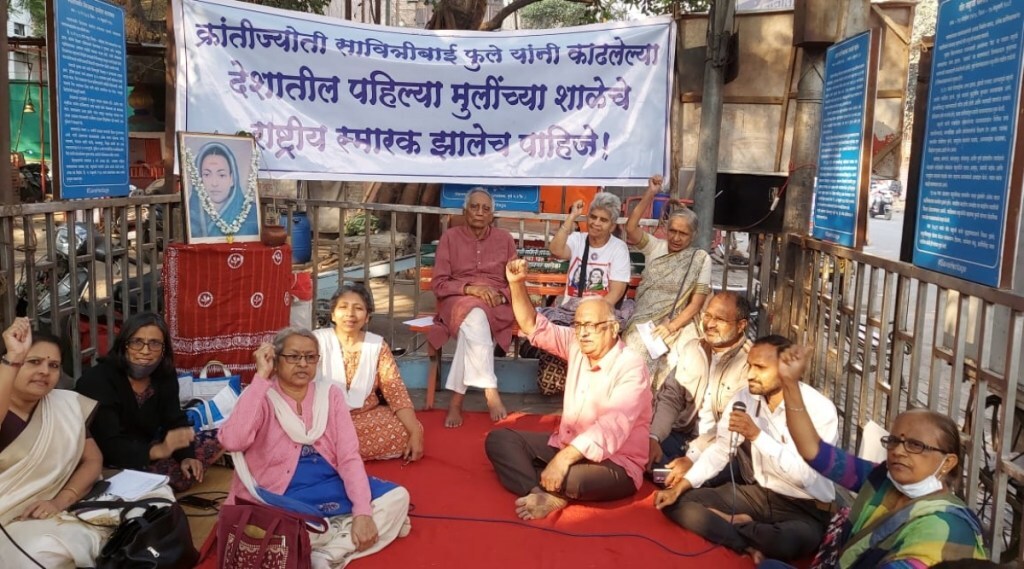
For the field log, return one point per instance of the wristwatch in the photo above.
(5, 361)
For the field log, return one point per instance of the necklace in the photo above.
(195, 179)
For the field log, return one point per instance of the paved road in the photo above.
(884, 236)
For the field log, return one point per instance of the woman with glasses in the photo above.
(139, 423)
(361, 363)
(676, 281)
(294, 447)
(906, 514)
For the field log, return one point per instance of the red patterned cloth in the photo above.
(224, 300)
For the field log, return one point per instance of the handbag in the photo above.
(158, 539)
(207, 413)
(258, 536)
(551, 372)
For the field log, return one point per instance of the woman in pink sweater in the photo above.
(295, 447)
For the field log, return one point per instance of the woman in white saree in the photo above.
(47, 461)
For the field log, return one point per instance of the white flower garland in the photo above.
(196, 181)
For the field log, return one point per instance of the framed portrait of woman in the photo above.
(219, 187)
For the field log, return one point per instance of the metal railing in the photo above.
(889, 335)
(79, 284)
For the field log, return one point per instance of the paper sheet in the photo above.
(421, 321)
(131, 484)
(655, 346)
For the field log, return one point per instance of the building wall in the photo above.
(402, 14)
(19, 25)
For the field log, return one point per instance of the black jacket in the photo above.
(123, 430)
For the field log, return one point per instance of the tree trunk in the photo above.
(458, 15)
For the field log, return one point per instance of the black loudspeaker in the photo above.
(690, 65)
(750, 202)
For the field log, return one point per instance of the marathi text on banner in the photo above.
(332, 99)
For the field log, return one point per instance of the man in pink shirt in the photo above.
(472, 303)
(600, 448)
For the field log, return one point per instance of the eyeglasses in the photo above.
(708, 317)
(136, 345)
(296, 358)
(479, 207)
(913, 446)
(591, 327)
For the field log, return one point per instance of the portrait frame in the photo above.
(227, 211)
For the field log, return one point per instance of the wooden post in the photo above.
(720, 26)
(170, 110)
(7, 194)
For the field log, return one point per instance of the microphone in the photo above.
(734, 436)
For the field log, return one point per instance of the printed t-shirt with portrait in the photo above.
(604, 264)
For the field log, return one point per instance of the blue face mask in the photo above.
(914, 490)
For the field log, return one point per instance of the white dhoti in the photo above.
(334, 548)
(473, 362)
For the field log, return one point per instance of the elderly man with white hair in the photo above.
(600, 447)
(472, 302)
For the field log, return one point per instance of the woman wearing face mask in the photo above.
(47, 460)
(139, 423)
(906, 515)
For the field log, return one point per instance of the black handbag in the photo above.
(158, 539)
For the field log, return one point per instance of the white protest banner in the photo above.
(337, 100)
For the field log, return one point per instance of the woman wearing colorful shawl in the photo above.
(294, 447)
(361, 363)
(47, 460)
(221, 206)
(906, 515)
(675, 283)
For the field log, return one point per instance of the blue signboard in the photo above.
(845, 128)
(969, 134)
(506, 198)
(92, 94)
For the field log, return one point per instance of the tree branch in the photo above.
(495, 22)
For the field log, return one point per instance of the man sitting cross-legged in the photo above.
(600, 448)
(783, 515)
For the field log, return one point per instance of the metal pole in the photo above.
(7, 193)
(720, 26)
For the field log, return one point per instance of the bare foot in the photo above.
(732, 519)
(454, 418)
(495, 405)
(538, 504)
(756, 555)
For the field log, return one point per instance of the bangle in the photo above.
(69, 489)
(654, 437)
(796, 408)
(7, 362)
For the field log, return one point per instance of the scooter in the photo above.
(881, 204)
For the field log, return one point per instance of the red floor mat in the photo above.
(469, 519)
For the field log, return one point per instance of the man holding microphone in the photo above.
(783, 514)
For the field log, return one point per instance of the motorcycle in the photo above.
(71, 287)
(880, 204)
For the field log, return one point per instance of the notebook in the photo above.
(133, 484)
